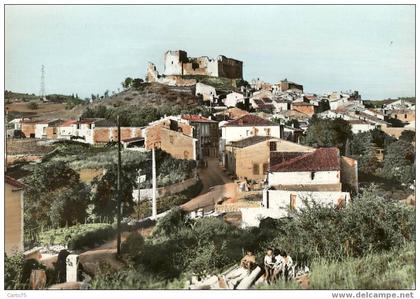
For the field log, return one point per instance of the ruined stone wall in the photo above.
(173, 61)
(229, 68)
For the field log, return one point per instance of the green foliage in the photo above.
(408, 136)
(17, 271)
(394, 270)
(13, 272)
(133, 245)
(32, 105)
(328, 133)
(54, 197)
(106, 193)
(399, 162)
(368, 224)
(137, 82)
(78, 236)
(127, 82)
(127, 279)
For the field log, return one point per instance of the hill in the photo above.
(147, 97)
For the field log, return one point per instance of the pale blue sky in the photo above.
(88, 49)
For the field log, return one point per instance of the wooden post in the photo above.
(154, 206)
(119, 188)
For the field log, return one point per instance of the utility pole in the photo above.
(138, 195)
(154, 208)
(119, 189)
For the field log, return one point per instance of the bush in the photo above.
(368, 224)
(90, 239)
(133, 245)
(79, 236)
(32, 105)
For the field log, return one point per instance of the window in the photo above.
(265, 168)
(268, 131)
(255, 169)
(312, 175)
(405, 115)
(273, 146)
(171, 139)
(293, 201)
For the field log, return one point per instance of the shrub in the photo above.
(133, 245)
(32, 105)
(79, 236)
(90, 239)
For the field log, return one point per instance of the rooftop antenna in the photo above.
(42, 89)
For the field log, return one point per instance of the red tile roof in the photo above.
(196, 118)
(11, 181)
(250, 120)
(68, 123)
(322, 159)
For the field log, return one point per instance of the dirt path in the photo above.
(216, 185)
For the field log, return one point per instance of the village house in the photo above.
(207, 91)
(263, 104)
(47, 129)
(95, 131)
(249, 158)
(244, 127)
(233, 98)
(400, 104)
(285, 85)
(206, 131)
(13, 212)
(404, 115)
(360, 126)
(296, 179)
(231, 113)
(28, 128)
(304, 107)
(281, 104)
(172, 136)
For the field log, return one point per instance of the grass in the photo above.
(390, 270)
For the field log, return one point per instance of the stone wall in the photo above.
(167, 190)
(104, 135)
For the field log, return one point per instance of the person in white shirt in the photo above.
(268, 265)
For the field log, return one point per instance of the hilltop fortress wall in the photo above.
(178, 63)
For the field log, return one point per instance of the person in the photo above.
(234, 277)
(268, 264)
(278, 265)
(248, 261)
(287, 264)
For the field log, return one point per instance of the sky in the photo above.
(91, 48)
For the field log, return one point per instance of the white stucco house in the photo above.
(233, 98)
(207, 91)
(296, 179)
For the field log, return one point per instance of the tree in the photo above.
(106, 93)
(127, 83)
(328, 133)
(105, 197)
(399, 162)
(69, 205)
(408, 136)
(137, 82)
(53, 187)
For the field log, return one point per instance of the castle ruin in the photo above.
(177, 63)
